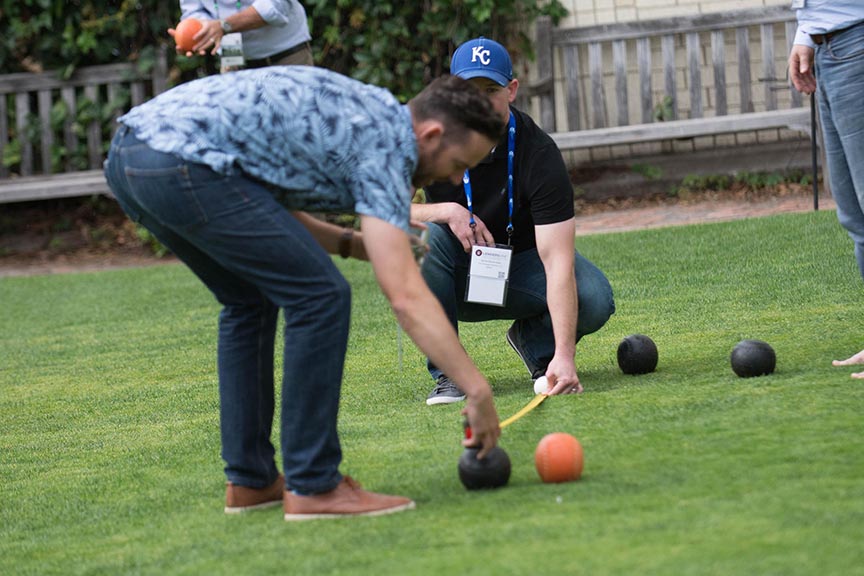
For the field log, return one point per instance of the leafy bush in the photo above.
(752, 181)
(38, 35)
(404, 45)
(398, 45)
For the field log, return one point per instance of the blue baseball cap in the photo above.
(482, 58)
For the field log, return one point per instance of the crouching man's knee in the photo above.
(596, 302)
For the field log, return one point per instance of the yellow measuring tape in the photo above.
(536, 401)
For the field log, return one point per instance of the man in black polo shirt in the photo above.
(553, 297)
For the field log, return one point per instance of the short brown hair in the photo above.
(460, 106)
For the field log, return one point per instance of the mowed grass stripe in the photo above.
(109, 439)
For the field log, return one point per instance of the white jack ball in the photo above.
(541, 385)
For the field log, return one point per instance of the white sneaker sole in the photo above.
(444, 400)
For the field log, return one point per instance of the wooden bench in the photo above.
(54, 131)
(702, 86)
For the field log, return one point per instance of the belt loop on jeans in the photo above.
(122, 132)
(274, 58)
(820, 39)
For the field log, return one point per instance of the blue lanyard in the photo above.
(466, 180)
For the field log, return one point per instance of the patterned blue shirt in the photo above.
(326, 142)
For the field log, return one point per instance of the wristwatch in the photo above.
(226, 27)
(345, 242)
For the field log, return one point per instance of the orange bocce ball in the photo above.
(185, 32)
(558, 458)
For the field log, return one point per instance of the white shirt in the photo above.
(822, 16)
(286, 23)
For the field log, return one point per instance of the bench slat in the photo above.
(113, 96)
(598, 97)
(646, 97)
(70, 141)
(545, 73)
(695, 74)
(768, 77)
(718, 61)
(619, 62)
(22, 114)
(136, 93)
(742, 40)
(571, 67)
(667, 44)
(46, 133)
(94, 130)
(72, 184)
(794, 119)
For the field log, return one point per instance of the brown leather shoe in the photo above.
(348, 499)
(242, 498)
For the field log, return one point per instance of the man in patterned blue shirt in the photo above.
(221, 171)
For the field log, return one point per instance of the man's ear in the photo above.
(513, 87)
(429, 134)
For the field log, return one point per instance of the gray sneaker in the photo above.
(535, 371)
(445, 392)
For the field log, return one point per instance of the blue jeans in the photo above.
(840, 81)
(255, 258)
(445, 270)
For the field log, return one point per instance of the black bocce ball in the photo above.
(637, 354)
(753, 358)
(493, 471)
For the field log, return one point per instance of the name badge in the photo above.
(798, 4)
(231, 50)
(489, 275)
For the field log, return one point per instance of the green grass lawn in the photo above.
(109, 441)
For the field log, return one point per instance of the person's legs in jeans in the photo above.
(445, 270)
(531, 332)
(255, 258)
(840, 81)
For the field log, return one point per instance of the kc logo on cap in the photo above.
(482, 58)
(481, 54)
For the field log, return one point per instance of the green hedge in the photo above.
(398, 45)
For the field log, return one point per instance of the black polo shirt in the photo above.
(542, 192)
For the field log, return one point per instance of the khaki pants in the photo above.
(302, 57)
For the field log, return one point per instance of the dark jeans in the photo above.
(445, 270)
(255, 258)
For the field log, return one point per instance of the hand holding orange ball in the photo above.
(184, 34)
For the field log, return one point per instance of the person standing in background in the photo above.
(265, 32)
(827, 58)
